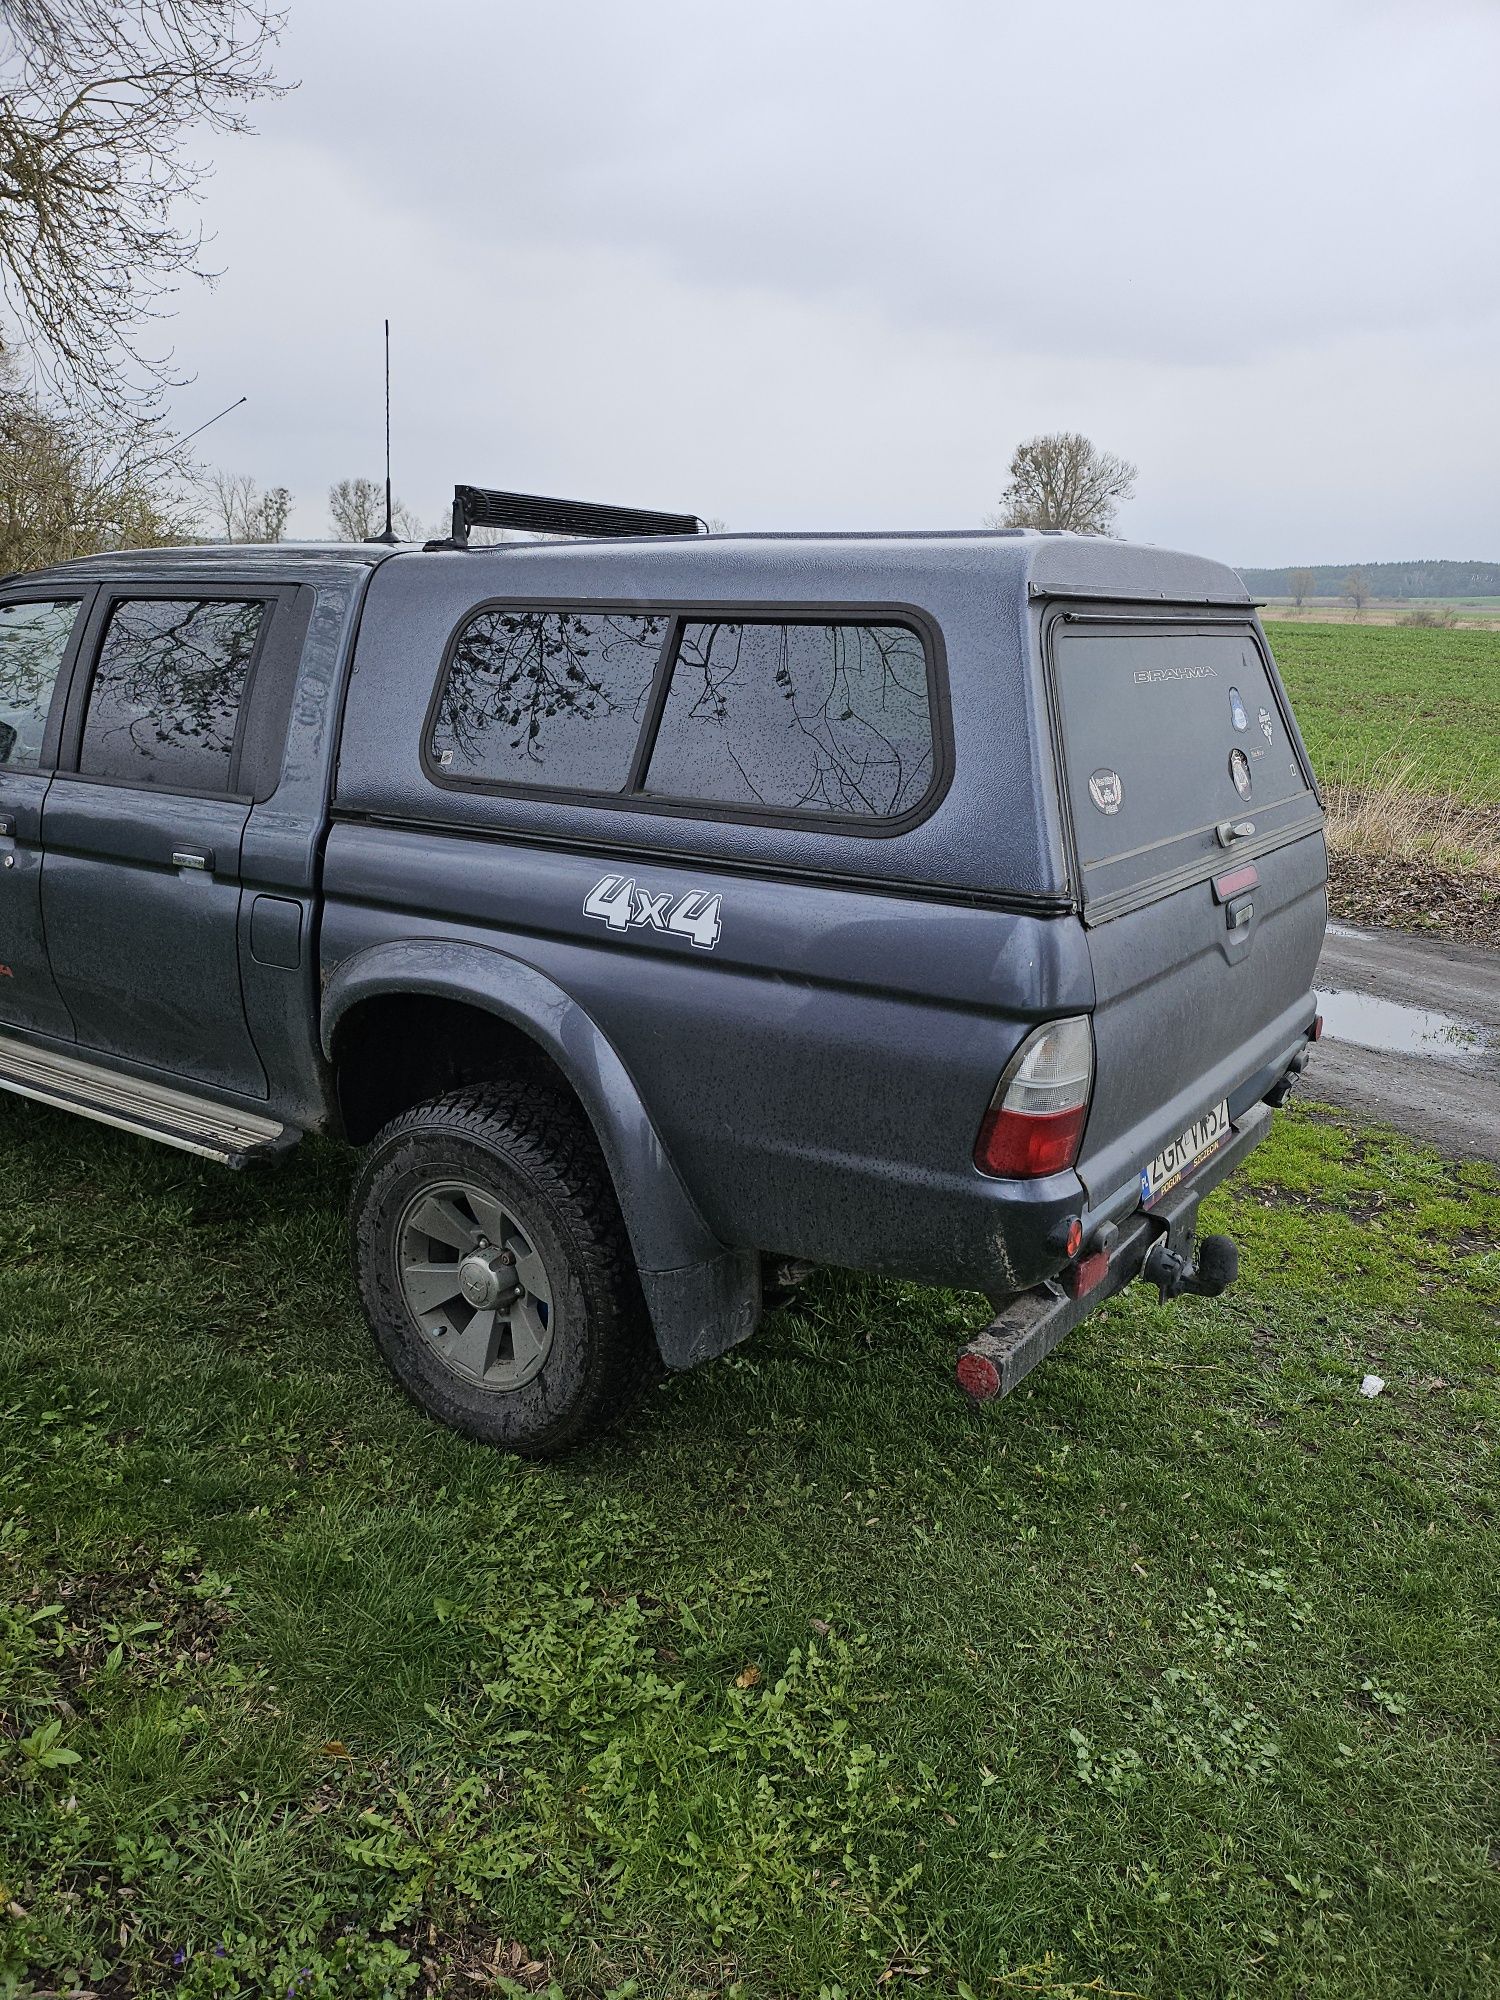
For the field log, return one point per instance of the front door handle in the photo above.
(7, 826)
(200, 858)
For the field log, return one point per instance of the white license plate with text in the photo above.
(1190, 1149)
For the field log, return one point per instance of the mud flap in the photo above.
(704, 1309)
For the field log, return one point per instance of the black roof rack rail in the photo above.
(483, 507)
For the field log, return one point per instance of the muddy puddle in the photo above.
(1393, 1029)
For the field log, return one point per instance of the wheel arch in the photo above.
(703, 1297)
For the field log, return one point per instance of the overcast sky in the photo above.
(824, 263)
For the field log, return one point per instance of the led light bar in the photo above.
(534, 513)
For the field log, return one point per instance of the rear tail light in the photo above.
(1035, 1121)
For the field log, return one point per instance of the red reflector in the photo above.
(978, 1377)
(1087, 1273)
(1317, 1028)
(1021, 1145)
(1075, 1237)
(1236, 882)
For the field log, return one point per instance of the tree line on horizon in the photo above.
(1427, 578)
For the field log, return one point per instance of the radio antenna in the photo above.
(390, 534)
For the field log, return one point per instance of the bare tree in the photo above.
(1303, 584)
(72, 486)
(96, 99)
(357, 510)
(1061, 480)
(229, 495)
(243, 511)
(1357, 591)
(267, 520)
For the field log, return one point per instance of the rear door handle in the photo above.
(200, 858)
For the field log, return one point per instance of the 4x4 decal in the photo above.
(617, 902)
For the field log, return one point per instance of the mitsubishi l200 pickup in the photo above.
(667, 914)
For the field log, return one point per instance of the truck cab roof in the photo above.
(198, 559)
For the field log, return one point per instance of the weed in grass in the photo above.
(1382, 811)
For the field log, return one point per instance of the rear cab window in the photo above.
(752, 715)
(167, 690)
(1168, 733)
(34, 640)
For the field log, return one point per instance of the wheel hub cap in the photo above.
(488, 1278)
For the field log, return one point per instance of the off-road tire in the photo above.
(531, 1148)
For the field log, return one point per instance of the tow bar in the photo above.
(1156, 1245)
(1027, 1328)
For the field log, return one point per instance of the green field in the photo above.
(1373, 695)
(1174, 1675)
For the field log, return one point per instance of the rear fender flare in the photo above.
(703, 1297)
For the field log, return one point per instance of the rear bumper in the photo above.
(1029, 1326)
(1242, 1098)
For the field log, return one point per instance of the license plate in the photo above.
(1190, 1149)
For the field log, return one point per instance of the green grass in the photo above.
(1176, 1674)
(1429, 699)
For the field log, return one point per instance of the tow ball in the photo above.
(1173, 1274)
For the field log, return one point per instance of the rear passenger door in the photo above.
(38, 640)
(143, 827)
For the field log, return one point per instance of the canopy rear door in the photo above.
(1184, 775)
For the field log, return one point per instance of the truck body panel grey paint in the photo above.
(144, 951)
(818, 1078)
(282, 855)
(1188, 1008)
(29, 998)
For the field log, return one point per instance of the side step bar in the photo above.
(132, 1104)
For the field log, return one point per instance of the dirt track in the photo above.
(1444, 1088)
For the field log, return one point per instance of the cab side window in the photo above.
(165, 700)
(33, 641)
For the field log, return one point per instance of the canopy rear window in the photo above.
(1169, 733)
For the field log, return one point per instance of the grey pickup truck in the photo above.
(667, 914)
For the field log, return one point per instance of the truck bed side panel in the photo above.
(817, 1077)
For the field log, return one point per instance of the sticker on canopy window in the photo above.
(1265, 723)
(1239, 770)
(1107, 791)
(1237, 713)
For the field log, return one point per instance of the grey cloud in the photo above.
(1165, 182)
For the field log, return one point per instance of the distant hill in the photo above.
(1386, 579)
